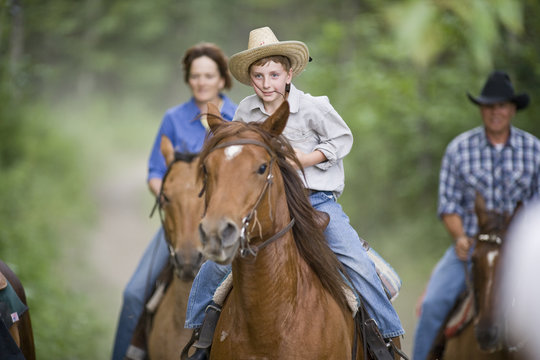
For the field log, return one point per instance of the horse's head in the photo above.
(492, 226)
(242, 183)
(181, 209)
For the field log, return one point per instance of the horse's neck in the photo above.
(178, 292)
(272, 279)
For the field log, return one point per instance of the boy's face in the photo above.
(269, 81)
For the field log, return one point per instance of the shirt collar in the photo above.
(513, 141)
(294, 99)
(254, 102)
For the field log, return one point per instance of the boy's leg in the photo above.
(205, 284)
(137, 290)
(446, 283)
(347, 246)
(198, 317)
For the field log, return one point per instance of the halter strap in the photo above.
(490, 238)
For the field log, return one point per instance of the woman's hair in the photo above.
(280, 59)
(214, 53)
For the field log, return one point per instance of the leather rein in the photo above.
(245, 247)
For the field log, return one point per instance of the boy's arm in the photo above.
(310, 159)
(335, 138)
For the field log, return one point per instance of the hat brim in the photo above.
(296, 51)
(521, 100)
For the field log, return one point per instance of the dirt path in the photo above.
(121, 233)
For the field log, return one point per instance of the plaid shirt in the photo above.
(503, 177)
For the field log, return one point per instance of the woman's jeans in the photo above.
(447, 282)
(344, 241)
(137, 291)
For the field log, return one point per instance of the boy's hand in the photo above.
(307, 160)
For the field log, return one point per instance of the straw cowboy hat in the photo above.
(498, 88)
(263, 43)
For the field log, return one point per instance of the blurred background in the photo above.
(84, 84)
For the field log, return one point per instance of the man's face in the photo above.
(497, 117)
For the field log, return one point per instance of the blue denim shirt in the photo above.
(181, 125)
(502, 176)
(313, 125)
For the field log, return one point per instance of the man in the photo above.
(500, 162)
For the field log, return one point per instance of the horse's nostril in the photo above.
(228, 232)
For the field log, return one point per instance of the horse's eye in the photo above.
(262, 169)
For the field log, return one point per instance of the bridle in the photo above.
(245, 247)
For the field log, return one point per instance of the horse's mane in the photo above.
(308, 234)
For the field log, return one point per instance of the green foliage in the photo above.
(43, 195)
(397, 72)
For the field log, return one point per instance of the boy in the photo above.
(321, 140)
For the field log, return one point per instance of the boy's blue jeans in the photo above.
(446, 283)
(344, 241)
(137, 291)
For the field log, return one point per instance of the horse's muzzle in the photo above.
(488, 338)
(220, 239)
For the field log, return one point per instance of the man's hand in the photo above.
(463, 244)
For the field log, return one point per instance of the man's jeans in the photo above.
(137, 291)
(344, 241)
(446, 283)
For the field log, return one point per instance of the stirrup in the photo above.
(377, 347)
(208, 327)
(201, 339)
(394, 349)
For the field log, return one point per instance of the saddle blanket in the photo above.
(11, 307)
(462, 314)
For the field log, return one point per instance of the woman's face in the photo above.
(204, 80)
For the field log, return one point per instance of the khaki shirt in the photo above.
(313, 125)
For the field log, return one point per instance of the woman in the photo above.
(206, 73)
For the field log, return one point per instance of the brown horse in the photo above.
(21, 331)
(287, 300)
(181, 210)
(484, 337)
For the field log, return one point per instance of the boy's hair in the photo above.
(280, 59)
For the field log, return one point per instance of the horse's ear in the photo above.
(480, 209)
(167, 150)
(278, 120)
(214, 117)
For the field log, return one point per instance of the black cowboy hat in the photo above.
(498, 88)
